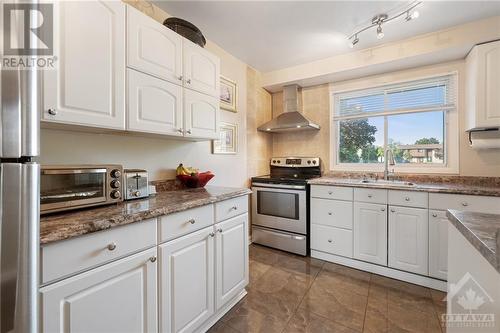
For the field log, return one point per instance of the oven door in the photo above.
(280, 206)
(64, 188)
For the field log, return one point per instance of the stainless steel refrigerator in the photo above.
(19, 200)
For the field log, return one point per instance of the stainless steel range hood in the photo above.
(291, 119)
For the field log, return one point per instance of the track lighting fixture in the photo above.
(381, 19)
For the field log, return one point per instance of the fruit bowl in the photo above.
(199, 180)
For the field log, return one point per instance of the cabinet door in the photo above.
(201, 114)
(231, 249)
(408, 239)
(488, 85)
(370, 232)
(154, 105)
(201, 69)
(153, 48)
(187, 281)
(88, 86)
(438, 244)
(117, 297)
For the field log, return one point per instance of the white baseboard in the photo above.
(219, 314)
(381, 270)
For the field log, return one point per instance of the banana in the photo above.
(181, 170)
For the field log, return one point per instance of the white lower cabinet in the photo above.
(231, 252)
(408, 239)
(187, 273)
(370, 232)
(438, 244)
(118, 297)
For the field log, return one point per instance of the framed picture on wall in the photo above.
(228, 139)
(228, 94)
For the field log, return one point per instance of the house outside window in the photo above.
(416, 120)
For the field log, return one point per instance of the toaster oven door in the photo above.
(64, 188)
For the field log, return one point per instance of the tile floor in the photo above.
(289, 293)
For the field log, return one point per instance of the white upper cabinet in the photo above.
(153, 48)
(438, 244)
(408, 239)
(117, 297)
(154, 105)
(201, 114)
(483, 86)
(201, 69)
(88, 86)
(370, 232)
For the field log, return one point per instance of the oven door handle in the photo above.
(71, 171)
(293, 187)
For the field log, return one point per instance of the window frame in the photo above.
(451, 133)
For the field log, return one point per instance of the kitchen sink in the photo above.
(383, 182)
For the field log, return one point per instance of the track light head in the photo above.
(380, 33)
(354, 41)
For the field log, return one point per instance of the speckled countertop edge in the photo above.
(66, 225)
(481, 230)
(449, 188)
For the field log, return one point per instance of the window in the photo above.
(411, 119)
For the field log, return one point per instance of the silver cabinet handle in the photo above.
(369, 195)
(180, 130)
(111, 246)
(233, 208)
(382, 209)
(52, 112)
(330, 213)
(192, 221)
(330, 241)
(212, 234)
(393, 211)
(188, 131)
(330, 192)
(434, 215)
(407, 199)
(188, 81)
(152, 259)
(180, 78)
(465, 204)
(219, 230)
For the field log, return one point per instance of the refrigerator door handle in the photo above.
(19, 247)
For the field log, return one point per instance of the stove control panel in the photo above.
(295, 161)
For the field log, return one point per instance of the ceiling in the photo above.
(270, 35)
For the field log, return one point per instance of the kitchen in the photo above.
(351, 151)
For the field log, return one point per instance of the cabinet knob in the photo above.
(382, 209)
(180, 130)
(180, 78)
(330, 241)
(152, 259)
(434, 215)
(188, 131)
(219, 230)
(330, 213)
(330, 192)
(465, 204)
(111, 246)
(188, 81)
(192, 221)
(233, 208)
(369, 195)
(52, 112)
(393, 210)
(212, 234)
(407, 199)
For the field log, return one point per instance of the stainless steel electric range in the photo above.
(280, 204)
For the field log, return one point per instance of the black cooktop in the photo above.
(282, 179)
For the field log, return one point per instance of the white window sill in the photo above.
(403, 170)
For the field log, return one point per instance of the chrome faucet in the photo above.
(388, 160)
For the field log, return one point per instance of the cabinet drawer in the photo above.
(409, 199)
(333, 213)
(331, 192)
(71, 256)
(181, 223)
(331, 240)
(473, 203)
(370, 195)
(229, 208)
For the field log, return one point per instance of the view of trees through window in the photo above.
(415, 138)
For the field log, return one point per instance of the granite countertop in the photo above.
(55, 227)
(453, 188)
(481, 230)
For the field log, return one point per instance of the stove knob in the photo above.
(115, 173)
(274, 161)
(115, 184)
(309, 162)
(279, 161)
(115, 194)
(314, 162)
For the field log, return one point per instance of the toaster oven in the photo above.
(65, 187)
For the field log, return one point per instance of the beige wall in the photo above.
(259, 144)
(159, 156)
(317, 107)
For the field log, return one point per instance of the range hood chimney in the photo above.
(291, 119)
